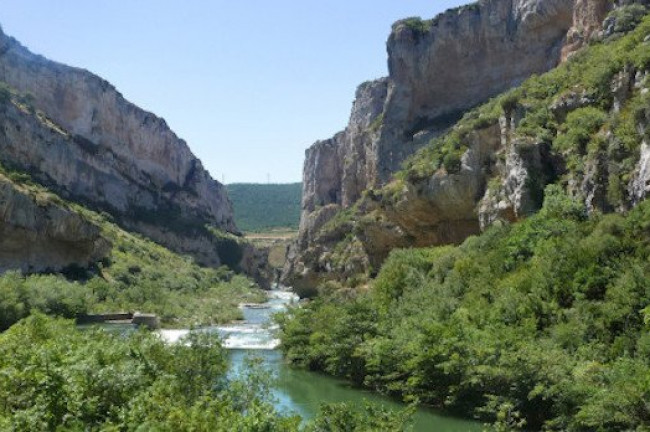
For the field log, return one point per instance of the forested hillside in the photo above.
(263, 207)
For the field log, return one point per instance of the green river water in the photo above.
(297, 391)
(302, 392)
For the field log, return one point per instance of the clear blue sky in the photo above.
(248, 84)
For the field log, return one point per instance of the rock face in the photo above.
(588, 16)
(37, 234)
(337, 170)
(461, 58)
(83, 140)
(438, 69)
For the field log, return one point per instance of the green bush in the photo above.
(417, 25)
(54, 377)
(626, 18)
(509, 101)
(47, 294)
(538, 325)
(580, 126)
(452, 163)
(343, 417)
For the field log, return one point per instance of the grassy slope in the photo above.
(262, 207)
(538, 325)
(139, 275)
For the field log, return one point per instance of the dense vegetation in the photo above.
(543, 324)
(56, 378)
(264, 207)
(540, 324)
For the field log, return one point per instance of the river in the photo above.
(299, 391)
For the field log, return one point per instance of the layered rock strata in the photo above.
(438, 69)
(77, 134)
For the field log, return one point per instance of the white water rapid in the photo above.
(256, 332)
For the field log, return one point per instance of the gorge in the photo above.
(476, 241)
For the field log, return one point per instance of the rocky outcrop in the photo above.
(438, 70)
(442, 67)
(77, 134)
(520, 170)
(640, 184)
(38, 234)
(338, 170)
(255, 263)
(588, 16)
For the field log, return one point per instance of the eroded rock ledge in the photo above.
(37, 234)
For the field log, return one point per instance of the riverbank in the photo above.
(296, 391)
(301, 392)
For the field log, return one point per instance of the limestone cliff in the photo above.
(438, 70)
(77, 134)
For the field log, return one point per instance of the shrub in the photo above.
(54, 377)
(452, 163)
(580, 126)
(345, 417)
(509, 101)
(377, 123)
(559, 205)
(626, 18)
(417, 25)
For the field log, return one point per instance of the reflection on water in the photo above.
(301, 392)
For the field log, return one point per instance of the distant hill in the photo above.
(260, 207)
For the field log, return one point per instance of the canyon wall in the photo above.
(76, 134)
(438, 69)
